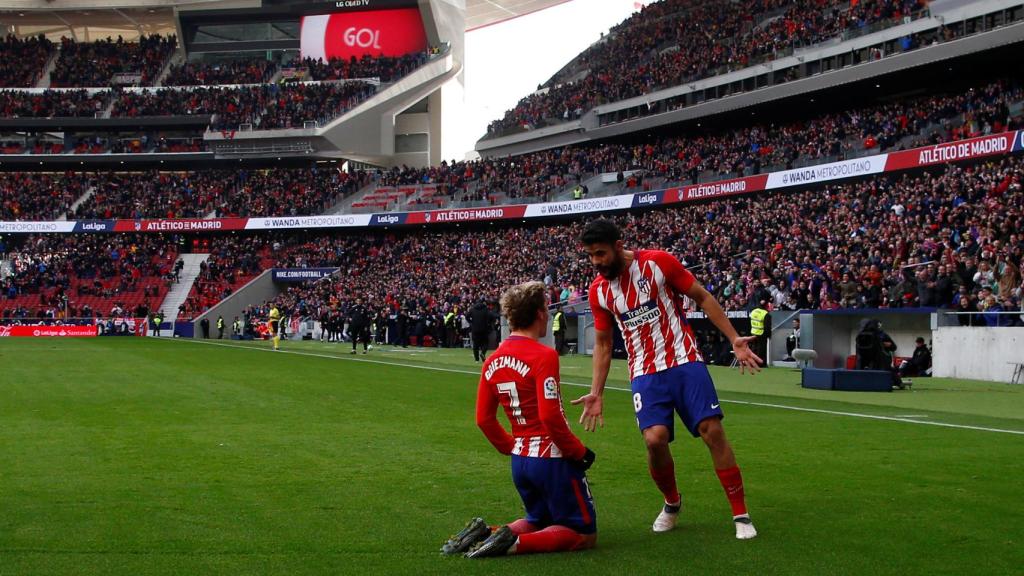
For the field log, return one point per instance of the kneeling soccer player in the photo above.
(548, 461)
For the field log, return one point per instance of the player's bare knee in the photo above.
(656, 437)
(712, 433)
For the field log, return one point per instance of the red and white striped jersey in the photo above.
(522, 376)
(646, 303)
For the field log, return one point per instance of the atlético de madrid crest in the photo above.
(644, 285)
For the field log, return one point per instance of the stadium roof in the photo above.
(90, 23)
(480, 13)
(103, 20)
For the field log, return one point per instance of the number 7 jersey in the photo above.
(522, 377)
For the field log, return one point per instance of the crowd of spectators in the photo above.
(57, 275)
(749, 150)
(265, 107)
(541, 175)
(951, 239)
(22, 60)
(96, 64)
(52, 103)
(677, 41)
(220, 193)
(536, 176)
(247, 71)
(39, 196)
(384, 68)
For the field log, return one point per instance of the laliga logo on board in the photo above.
(647, 199)
(387, 219)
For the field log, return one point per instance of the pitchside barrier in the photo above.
(72, 327)
(991, 146)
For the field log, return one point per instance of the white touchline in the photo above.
(897, 418)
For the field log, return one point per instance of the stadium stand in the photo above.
(885, 242)
(52, 103)
(39, 196)
(221, 193)
(111, 62)
(87, 276)
(384, 68)
(888, 241)
(22, 60)
(674, 42)
(247, 71)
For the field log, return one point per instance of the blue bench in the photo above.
(847, 380)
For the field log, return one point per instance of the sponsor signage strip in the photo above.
(48, 331)
(301, 274)
(1004, 143)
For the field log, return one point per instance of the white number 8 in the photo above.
(637, 403)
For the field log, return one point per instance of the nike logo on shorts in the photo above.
(715, 406)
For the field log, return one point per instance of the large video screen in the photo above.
(377, 33)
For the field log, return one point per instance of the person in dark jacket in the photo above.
(919, 363)
(481, 321)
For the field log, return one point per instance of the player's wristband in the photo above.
(584, 464)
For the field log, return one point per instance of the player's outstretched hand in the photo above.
(584, 464)
(593, 406)
(745, 356)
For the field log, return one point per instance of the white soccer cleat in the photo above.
(667, 518)
(744, 528)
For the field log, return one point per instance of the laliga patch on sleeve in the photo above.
(551, 389)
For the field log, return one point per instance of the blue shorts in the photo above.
(687, 389)
(554, 492)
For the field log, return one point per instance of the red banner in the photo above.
(951, 152)
(45, 331)
(181, 225)
(697, 192)
(466, 215)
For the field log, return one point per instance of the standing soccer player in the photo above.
(548, 461)
(274, 325)
(641, 290)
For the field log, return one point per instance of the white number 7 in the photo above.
(513, 394)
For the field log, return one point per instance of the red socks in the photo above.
(665, 479)
(550, 539)
(732, 482)
(521, 526)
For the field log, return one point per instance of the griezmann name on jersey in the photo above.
(645, 301)
(522, 376)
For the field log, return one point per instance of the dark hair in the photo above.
(600, 231)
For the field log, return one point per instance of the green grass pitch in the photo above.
(139, 456)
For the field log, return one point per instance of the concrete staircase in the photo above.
(344, 206)
(176, 59)
(81, 200)
(44, 80)
(179, 292)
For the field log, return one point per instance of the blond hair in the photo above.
(521, 303)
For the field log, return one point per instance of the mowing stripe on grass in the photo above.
(745, 402)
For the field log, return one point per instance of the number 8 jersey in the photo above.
(522, 377)
(644, 301)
